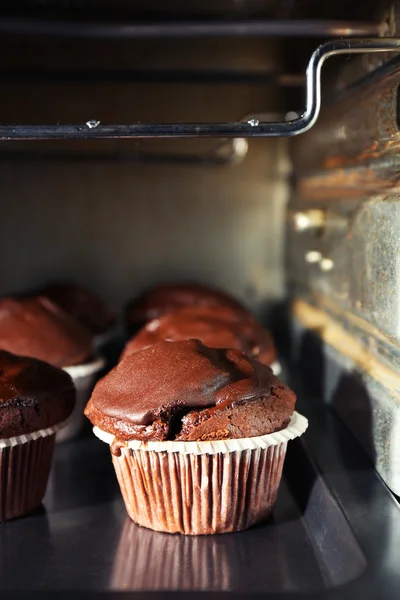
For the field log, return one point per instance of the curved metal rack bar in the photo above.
(253, 128)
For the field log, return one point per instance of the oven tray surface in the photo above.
(335, 532)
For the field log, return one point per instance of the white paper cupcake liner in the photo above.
(84, 377)
(85, 370)
(201, 488)
(297, 426)
(29, 437)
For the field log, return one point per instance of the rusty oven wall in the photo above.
(344, 264)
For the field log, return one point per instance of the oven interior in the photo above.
(304, 229)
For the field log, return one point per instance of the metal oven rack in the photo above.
(253, 127)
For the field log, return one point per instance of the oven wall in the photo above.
(343, 258)
(121, 226)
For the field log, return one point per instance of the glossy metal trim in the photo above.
(253, 128)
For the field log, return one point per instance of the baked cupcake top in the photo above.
(82, 304)
(187, 391)
(167, 298)
(33, 395)
(38, 328)
(214, 326)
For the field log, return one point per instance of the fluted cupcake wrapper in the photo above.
(84, 377)
(199, 488)
(199, 494)
(25, 463)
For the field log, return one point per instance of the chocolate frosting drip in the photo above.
(81, 303)
(140, 398)
(168, 298)
(38, 328)
(214, 326)
(33, 395)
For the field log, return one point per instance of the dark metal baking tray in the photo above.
(335, 533)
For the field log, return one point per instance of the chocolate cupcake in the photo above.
(198, 436)
(38, 328)
(35, 400)
(83, 304)
(165, 299)
(214, 326)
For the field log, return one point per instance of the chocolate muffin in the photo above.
(214, 326)
(33, 395)
(38, 328)
(191, 431)
(187, 391)
(35, 399)
(167, 298)
(82, 304)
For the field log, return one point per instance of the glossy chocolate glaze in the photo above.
(81, 303)
(33, 395)
(38, 328)
(214, 326)
(164, 299)
(149, 392)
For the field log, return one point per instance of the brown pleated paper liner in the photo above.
(199, 488)
(200, 493)
(24, 472)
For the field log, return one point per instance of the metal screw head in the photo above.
(301, 221)
(312, 256)
(253, 122)
(326, 264)
(240, 145)
(291, 116)
(92, 124)
(309, 219)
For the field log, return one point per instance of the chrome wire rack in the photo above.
(252, 128)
